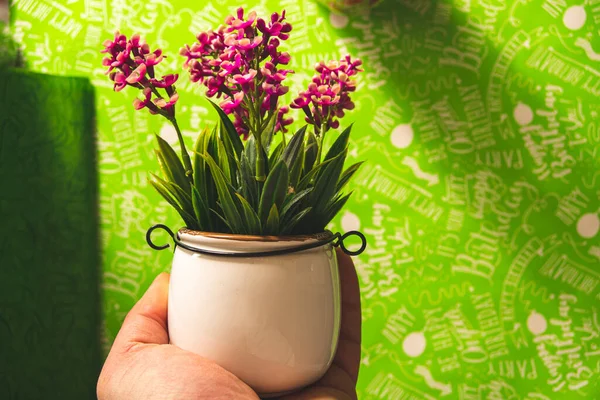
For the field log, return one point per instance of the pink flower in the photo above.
(120, 81)
(137, 75)
(139, 104)
(229, 67)
(282, 58)
(162, 103)
(276, 27)
(237, 62)
(154, 58)
(240, 126)
(239, 23)
(118, 44)
(283, 122)
(328, 95)
(166, 81)
(244, 43)
(300, 102)
(229, 105)
(246, 78)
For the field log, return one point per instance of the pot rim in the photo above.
(256, 238)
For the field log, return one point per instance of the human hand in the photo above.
(143, 365)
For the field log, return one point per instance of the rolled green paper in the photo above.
(50, 313)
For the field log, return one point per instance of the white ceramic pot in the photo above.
(273, 321)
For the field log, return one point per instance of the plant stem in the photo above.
(260, 161)
(320, 140)
(187, 163)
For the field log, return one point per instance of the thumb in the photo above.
(147, 320)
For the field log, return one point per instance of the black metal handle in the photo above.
(336, 243)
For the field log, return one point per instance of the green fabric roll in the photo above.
(50, 311)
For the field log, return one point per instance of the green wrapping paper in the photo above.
(49, 244)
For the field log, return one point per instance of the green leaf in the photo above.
(296, 169)
(293, 156)
(294, 200)
(306, 180)
(201, 211)
(223, 161)
(212, 150)
(266, 136)
(310, 153)
(276, 154)
(234, 162)
(325, 183)
(250, 217)
(199, 163)
(230, 129)
(171, 164)
(347, 175)
(292, 150)
(339, 145)
(183, 199)
(288, 228)
(274, 190)
(189, 220)
(226, 196)
(222, 224)
(272, 225)
(250, 152)
(248, 182)
(332, 211)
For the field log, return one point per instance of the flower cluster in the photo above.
(131, 63)
(328, 95)
(239, 62)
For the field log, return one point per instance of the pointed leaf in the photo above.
(296, 169)
(274, 190)
(310, 153)
(292, 150)
(347, 175)
(276, 154)
(249, 186)
(288, 228)
(188, 219)
(251, 218)
(272, 225)
(174, 168)
(223, 160)
(183, 199)
(340, 144)
(267, 134)
(289, 206)
(250, 152)
(238, 146)
(234, 159)
(222, 224)
(227, 199)
(201, 211)
(332, 211)
(306, 181)
(325, 183)
(199, 163)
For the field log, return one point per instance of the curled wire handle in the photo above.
(149, 236)
(341, 238)
(336, 239)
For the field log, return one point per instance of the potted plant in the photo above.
(254, 281)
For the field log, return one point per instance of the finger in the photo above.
(348, 354)
(147, 320)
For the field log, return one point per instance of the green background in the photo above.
(480, 195)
